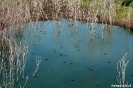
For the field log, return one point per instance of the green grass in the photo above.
(121, 11)
(86, 2)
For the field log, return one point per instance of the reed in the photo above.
(22, 11)
(121, 68)
(13, 60)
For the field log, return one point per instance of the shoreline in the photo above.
(50, 12)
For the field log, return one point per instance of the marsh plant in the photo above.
(13, 63)
(121, 68)
(94, 11)
(14, 55)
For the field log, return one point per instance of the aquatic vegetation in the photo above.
(121, 68)
(21, 11)
(13, 65)
(14, 55)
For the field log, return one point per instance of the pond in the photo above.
(72, 58)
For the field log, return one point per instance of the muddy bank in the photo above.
(54, 11)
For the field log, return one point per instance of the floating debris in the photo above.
(52, 70)
(105, 54)
(90, 69)
(78, 50)
(64, 62)
(61, 54)
(71, 63)
(109, 62)
(40, 31)
(72, 80)
(65, 55)
(81, 41)
(46, 59)
(131, 75)
(98, 85)
(39, 38)
(54, 50)
(33, 53)
(76, 47)
(25, 87)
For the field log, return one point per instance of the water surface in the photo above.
(72, 59)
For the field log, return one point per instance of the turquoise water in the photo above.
(71, 59)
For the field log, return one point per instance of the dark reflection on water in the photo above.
(71, 59)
